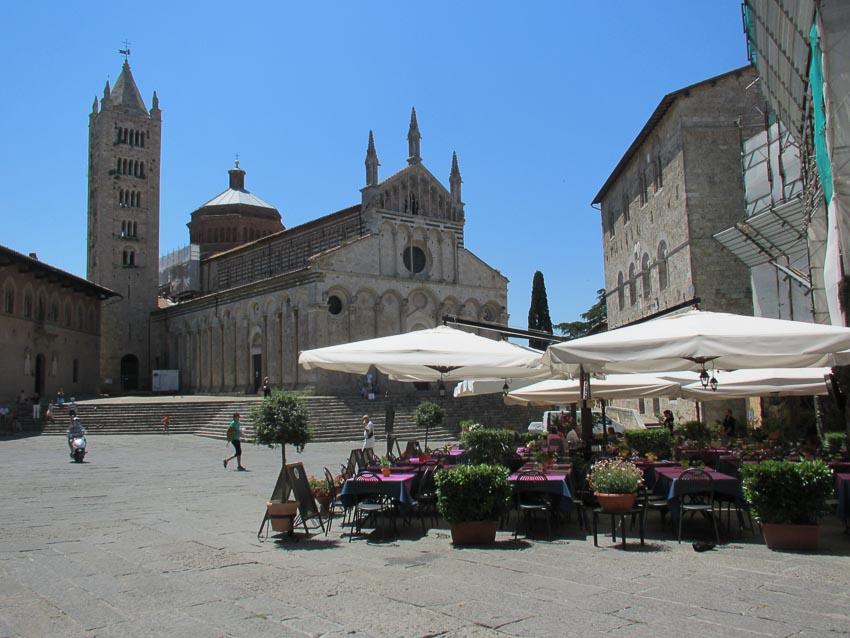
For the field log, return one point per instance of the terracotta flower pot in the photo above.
(474, 533)
(385, 471)
(615, 503)
(788, 536)
(282, 515)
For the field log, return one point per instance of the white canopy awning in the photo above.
(429, 355)
(614, 386)
(477, 387)
(689, 340)
(741, 384)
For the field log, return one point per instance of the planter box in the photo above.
(474, 533)
(282, 515)
(788, 536)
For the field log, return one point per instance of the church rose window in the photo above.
(334, 305)
(414, 259)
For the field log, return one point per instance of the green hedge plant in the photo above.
(487, 445)
(468, 493)
(695, 433)
(786, 492)
(833, 442)
(657, 441)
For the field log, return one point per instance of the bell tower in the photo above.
(123, 227)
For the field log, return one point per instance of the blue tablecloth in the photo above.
(665, 485)
(395, 486)
(555, 484)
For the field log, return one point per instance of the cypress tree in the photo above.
(538, 313)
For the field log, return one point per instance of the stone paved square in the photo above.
(152, 536)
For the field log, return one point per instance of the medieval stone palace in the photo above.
(393, 262)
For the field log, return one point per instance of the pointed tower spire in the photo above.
(94, 106)
(154, 101)
(126, 94)
(106, 91)
(413, 138)
(454, 179)
(372, 163)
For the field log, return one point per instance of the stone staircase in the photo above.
(333, 418)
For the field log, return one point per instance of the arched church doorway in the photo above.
(39, 374)
(257, 361)
(129, 372)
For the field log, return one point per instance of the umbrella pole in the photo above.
(586, 413)
(604, 426)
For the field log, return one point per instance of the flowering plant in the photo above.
(385, 461)
(613, 476)
(318, 486)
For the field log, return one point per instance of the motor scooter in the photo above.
(78, 448)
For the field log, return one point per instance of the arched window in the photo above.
(9, 299)
(142, 170)
(632, 286)
(142, 140)
(123, 229)
(662, 266)
(135, 229)
(621, 292)
(54, 311)
(79, 317)
(645, 276)
(132, 258)
(118, 168)
(244, 234)
(28, 305)
(68, 314)
(138, 200)
(40, 308)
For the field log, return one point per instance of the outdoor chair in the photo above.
(335, 505)
(370, 457)
(350, 469)
(369, 505)
(728, 465)
(360, 459)
(695, 490)
(423, 490)
(581, 499)
(638, 512)
(530, 501)
(412, 449)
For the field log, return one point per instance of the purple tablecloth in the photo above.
(396, 486)
(556, 484)
(665, 484)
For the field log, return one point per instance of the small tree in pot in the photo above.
(429, 415)
(472, 498)
(788, 499)
(282, 419)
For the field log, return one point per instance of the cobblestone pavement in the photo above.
(154, 537)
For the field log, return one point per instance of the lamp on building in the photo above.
(712, 383)
(704, 378)
(441, 388)
(506, 388)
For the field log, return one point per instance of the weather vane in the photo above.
(125, 51)
(237, 160)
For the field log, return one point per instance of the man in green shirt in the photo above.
(234, 436)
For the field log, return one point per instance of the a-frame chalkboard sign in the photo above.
(293, 480)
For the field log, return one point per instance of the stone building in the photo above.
(678, 184)
(123, 227)
(232, 218)
(49, 329)
(394, 262)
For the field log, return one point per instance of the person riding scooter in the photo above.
(76, 430)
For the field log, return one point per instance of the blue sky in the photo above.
(540, 100)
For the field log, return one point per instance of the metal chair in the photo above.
(335, 504)
(424, 493)
(530, 501)
(695, 491)
(368, 505)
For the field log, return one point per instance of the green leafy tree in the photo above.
(538, 313)
(282, 419)
(595, 316)
(428, 415)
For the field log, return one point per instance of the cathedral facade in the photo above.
(392, 263)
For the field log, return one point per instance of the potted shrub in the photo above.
(321, 492)
(385, 466)
(489, 445)
(695, 433)
(788, 499)
(281, 419)
(428, 415)
(833, 442)
(472, 498)
(657, 442)
(615, 484)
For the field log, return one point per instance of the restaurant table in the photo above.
(840, 466)
(842, 489)
(709, 456)
(665, 483)
(648, 469)
(394, 486)
(556, 484)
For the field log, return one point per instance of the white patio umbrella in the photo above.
(693, 339)
(741, 384)
(614, 386)
(440, 353)
(478, 387)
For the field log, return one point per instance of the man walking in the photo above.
(234, 436)
(368, 434)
